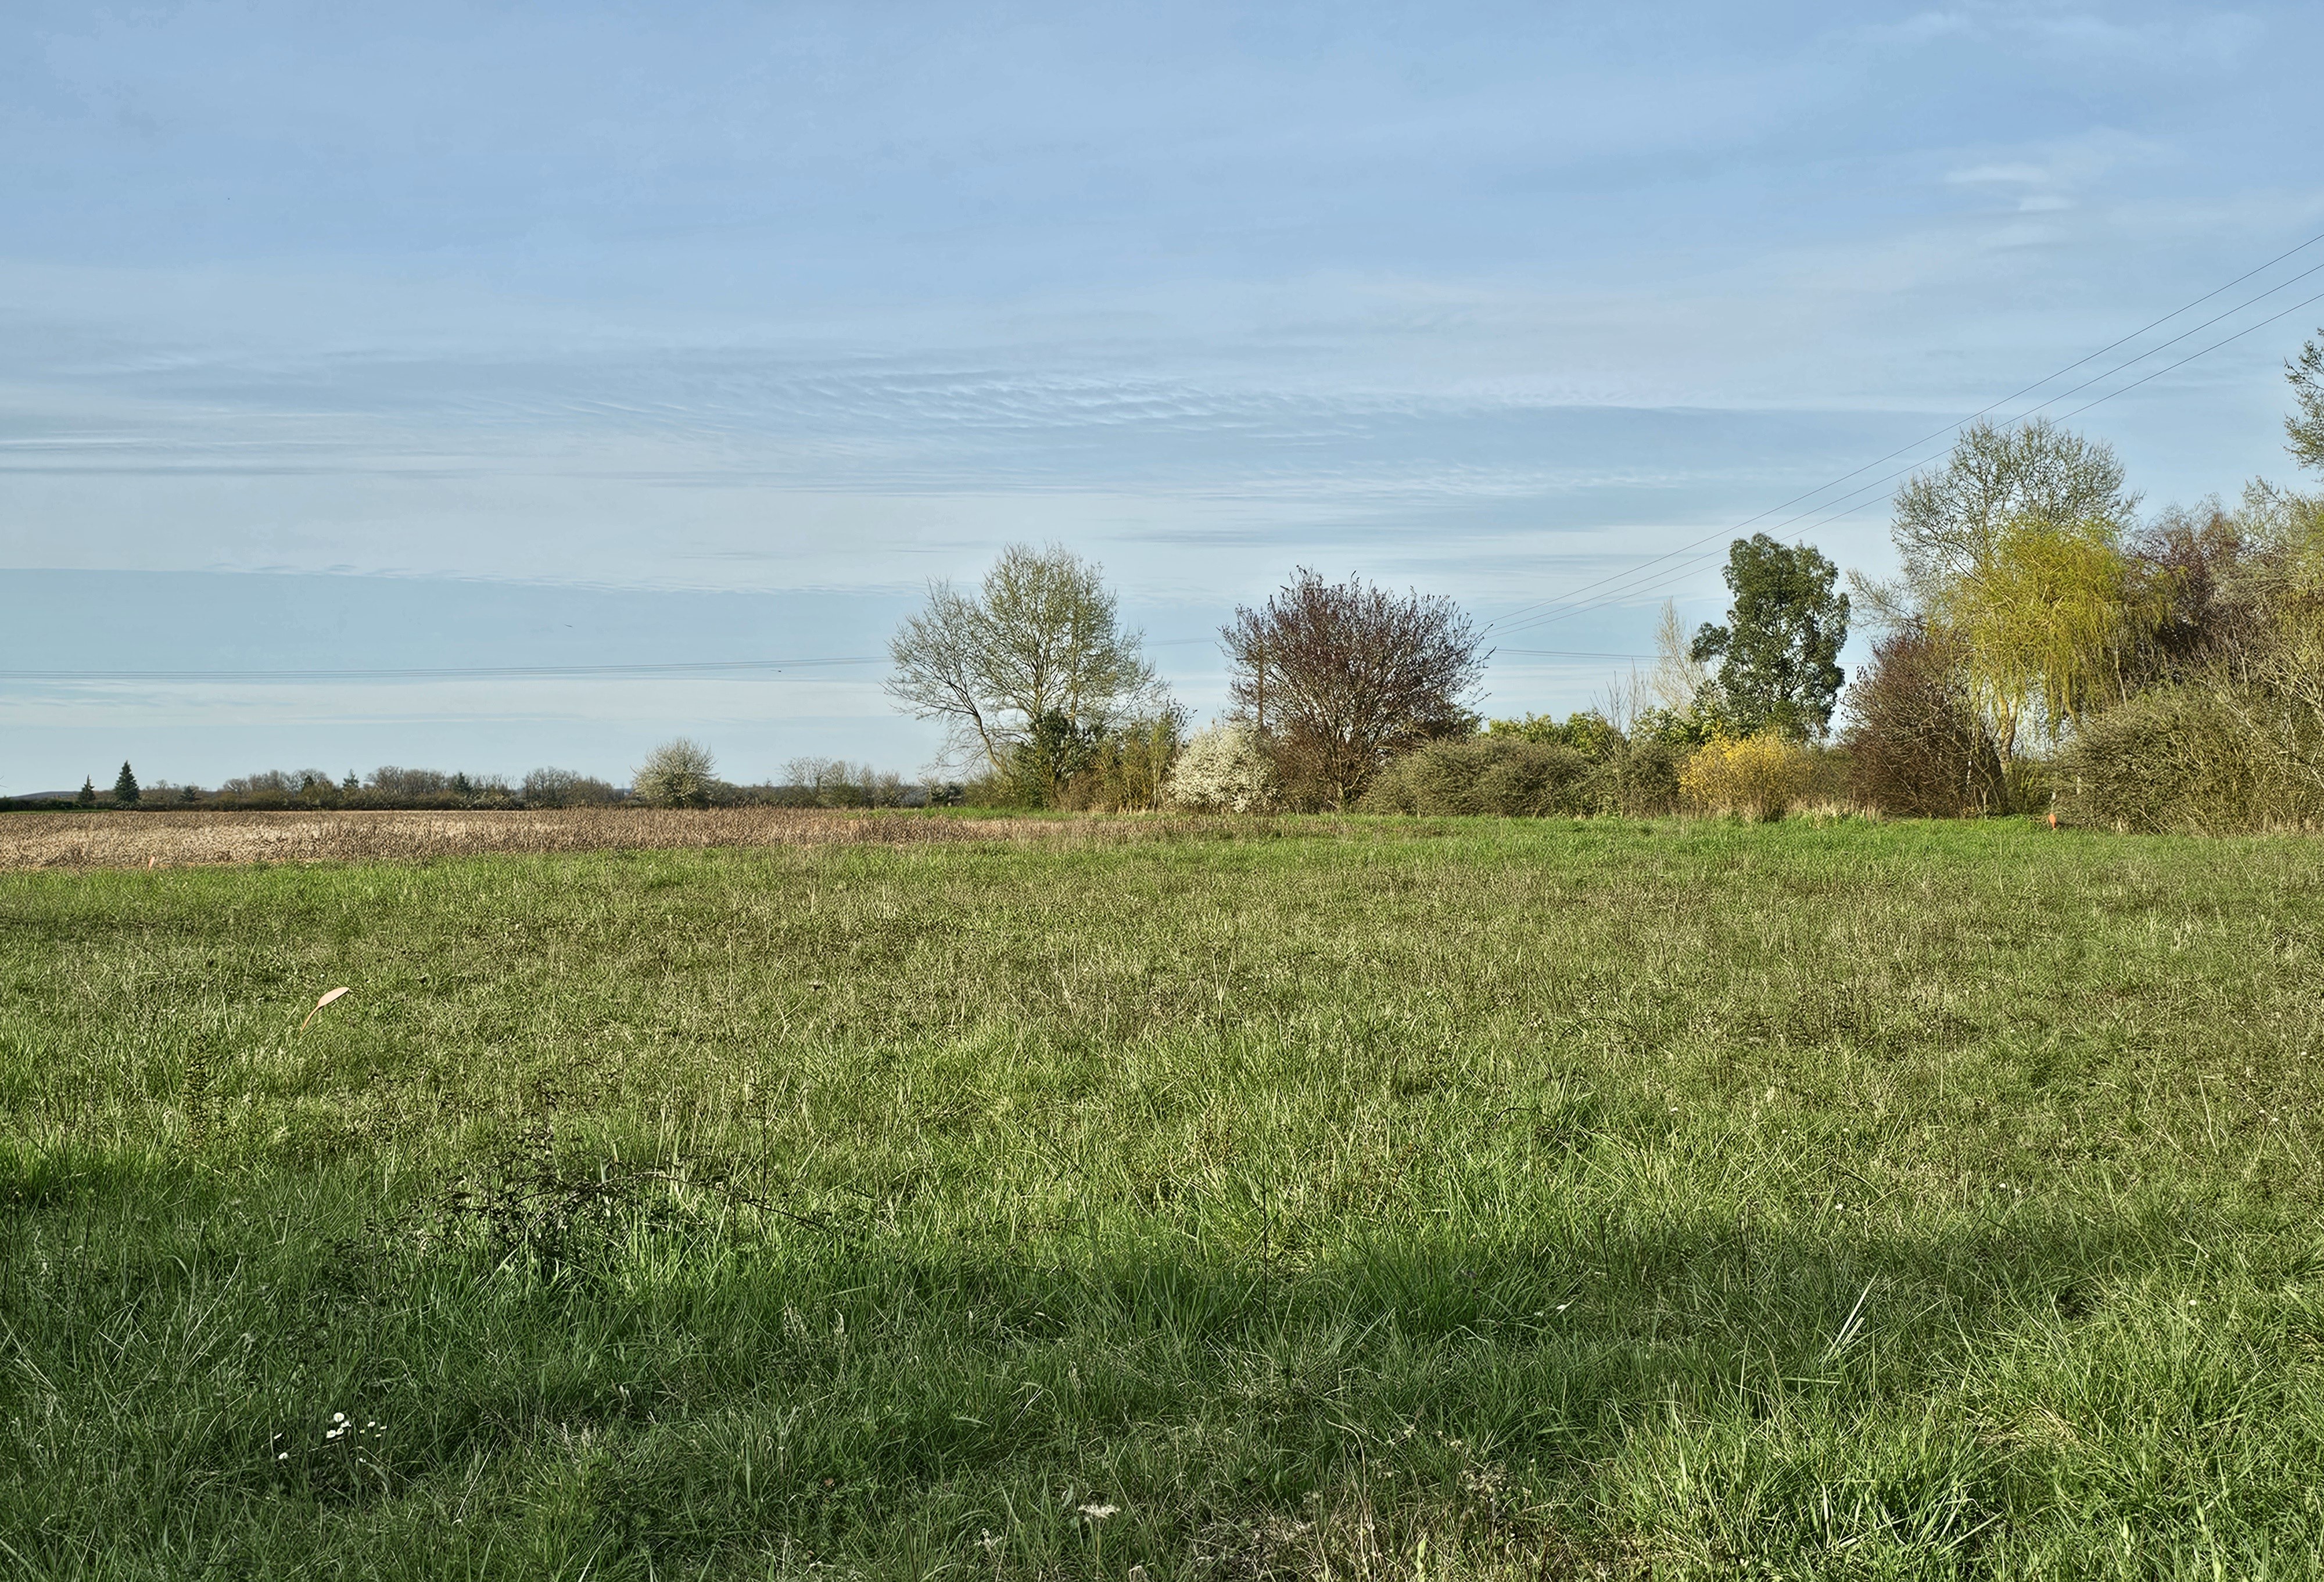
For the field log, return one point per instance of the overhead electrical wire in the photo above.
(1524, 618)
(1825, 514)
(1614, 588)
(2004, 400)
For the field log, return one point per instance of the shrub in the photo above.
(1916, 748)
(1640, 780)
(1129, 771)
(1223, 770)
(1589, 733)
(2212, 755)
(1502, 774)
(680, 772)
(1759, 776)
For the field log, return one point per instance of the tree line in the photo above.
(1344, 695)
(2043, 647)
(681, 773)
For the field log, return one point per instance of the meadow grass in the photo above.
(1360, 1200)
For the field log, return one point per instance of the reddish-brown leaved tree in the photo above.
(1338, 677)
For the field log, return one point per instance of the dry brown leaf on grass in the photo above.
(319, 1004)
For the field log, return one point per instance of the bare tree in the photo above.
(1338, 677)
(1678, 678)
(1041, 638)
(2305, 427)
(549, 787)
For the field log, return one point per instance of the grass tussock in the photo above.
(1362, 1199)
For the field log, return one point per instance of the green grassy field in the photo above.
(1457, 1200)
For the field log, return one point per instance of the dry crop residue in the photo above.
(174, 839)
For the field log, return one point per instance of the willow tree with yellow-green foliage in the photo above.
(2046, 616)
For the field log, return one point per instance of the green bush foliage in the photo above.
(1589, 733)
(2196, 759)
(1498, 775)
(1641, 779)
(1128, 769)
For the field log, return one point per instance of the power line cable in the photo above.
(1570, 654)
(1834, 511)
(1951, 428)
(1824, 512)
(1830, 511)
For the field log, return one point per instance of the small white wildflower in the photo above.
(339, 1416)
(1100, 1513)
(285, 1455)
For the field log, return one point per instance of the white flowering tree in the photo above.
(1223, 770)
(680, 772)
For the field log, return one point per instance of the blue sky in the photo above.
(492, 335)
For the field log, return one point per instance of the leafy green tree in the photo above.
(124, 786)
(1056, 749)
(1779, 651)
(2306, 425)
(1033, 661)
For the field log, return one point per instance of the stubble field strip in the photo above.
(173, 839)
(1364, 1199)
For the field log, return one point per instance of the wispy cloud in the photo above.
(830, 298)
